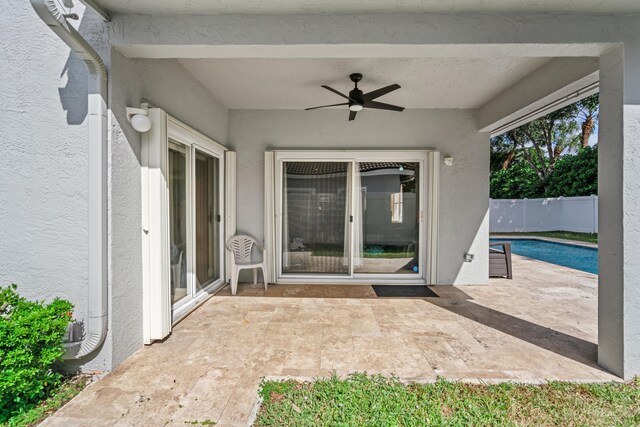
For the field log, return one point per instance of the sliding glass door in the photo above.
(195, 219)
(387, 229)
(357, 217)
(315, 228)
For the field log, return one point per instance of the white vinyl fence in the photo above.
(578, 214)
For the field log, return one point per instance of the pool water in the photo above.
(572, 256)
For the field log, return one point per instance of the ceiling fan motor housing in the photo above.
(357, 99)
(356, 95)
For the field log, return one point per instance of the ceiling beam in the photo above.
(374, 35)
(350, 50)
(558, 83)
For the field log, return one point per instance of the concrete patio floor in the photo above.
(539, 326)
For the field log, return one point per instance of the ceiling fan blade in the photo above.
(352, 115)
(337, 93)
(325, 106)
(382, 106)
(379, 92)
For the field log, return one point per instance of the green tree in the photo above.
(540, 144)
(589, 108)
(542, 141)
(503, 153)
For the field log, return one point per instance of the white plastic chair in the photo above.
(241, 247)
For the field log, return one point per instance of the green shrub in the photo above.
(31, 335)
(575, 175)
(517, 182)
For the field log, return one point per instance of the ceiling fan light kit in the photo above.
(357, 100)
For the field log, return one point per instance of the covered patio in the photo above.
(463, 79)
(540, 326)
(224, 93)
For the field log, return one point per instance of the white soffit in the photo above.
(370, 6)
(295, 83)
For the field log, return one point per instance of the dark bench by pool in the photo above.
(500, 260)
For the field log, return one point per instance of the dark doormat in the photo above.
(419, 291)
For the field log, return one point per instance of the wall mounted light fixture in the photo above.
(448, 161)
(138, 117)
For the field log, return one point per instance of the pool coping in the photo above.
(546, 239)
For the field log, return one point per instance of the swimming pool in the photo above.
(572, 256)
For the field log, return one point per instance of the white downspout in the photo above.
(95, 328)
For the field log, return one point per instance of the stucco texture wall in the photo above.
(464, 199)
(43, 164)
(43, 167)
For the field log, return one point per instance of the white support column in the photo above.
(270, 238)
(156, 294)
(229, 205)
(594, 214)
(619, 211)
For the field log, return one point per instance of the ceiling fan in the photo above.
(359, 100)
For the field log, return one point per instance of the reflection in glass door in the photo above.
(315, 224)
(387, 221)
(178, 187)
(207, 220)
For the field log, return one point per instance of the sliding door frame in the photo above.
(158, 314)
(427, 210)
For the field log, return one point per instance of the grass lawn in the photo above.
(362, 400)
(67, 390)
(581, 237)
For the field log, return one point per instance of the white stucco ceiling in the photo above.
(369, 6)
(295, 83)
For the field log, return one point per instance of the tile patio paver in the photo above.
(541, 325)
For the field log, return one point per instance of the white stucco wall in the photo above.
(43, 168)
(43, 163)
(464, 188)
(42, 245)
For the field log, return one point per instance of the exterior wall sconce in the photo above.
(469, 257)
(448, 161)
(138, 117)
